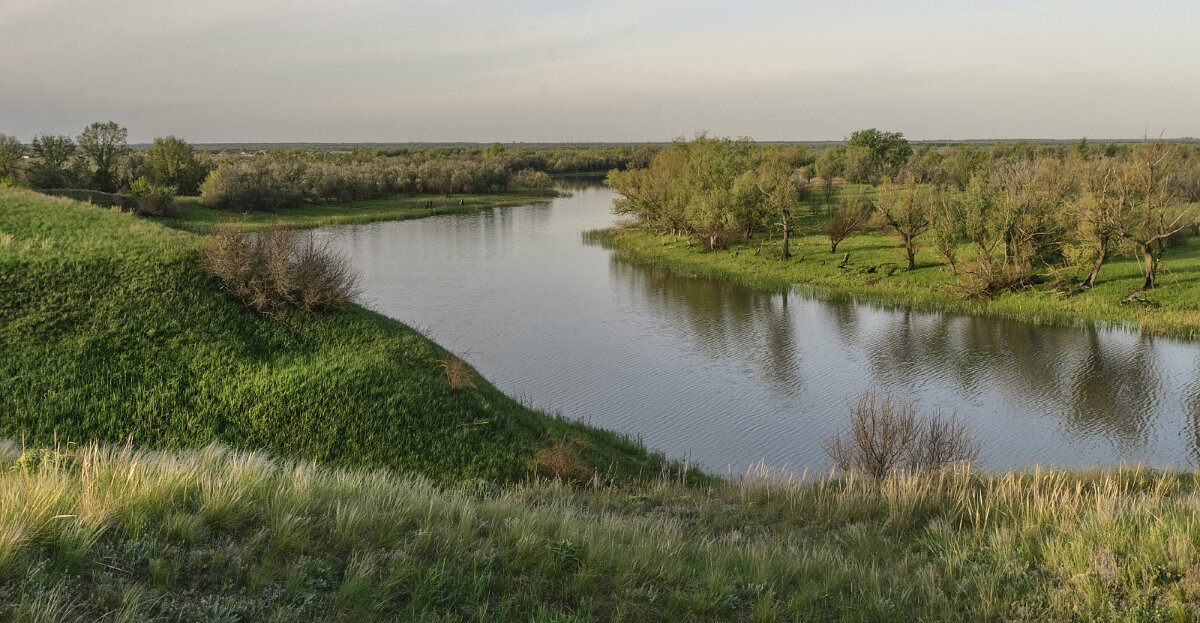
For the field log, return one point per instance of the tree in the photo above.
(172, 161)
(54, 150)
(1155, 217)
(774, 180)
(948, 226)
(104, 143)
(1101, 209)
(851, 216)
(872, 153)
(829, 165)
(906, 213)
(11, 152)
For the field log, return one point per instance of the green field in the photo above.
(193, 215)
(112, 331)
(876, 273)
(93, 534)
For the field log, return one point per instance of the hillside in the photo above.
(111, 331)
(104, 533)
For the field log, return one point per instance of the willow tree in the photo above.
(907, 213)
(774, 178)
(1101, 210)
(1155, 216)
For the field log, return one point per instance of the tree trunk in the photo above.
(787, 251)
(833, 246)
(1101, 255)
(912, 254)
(1151, 267)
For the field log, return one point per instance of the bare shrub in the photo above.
(280, 269)
(458, 373)
(987, 277)
(561, 461)
(887, 434)
(851, 216)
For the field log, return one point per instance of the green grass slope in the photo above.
(211, 535)
(193, 215)
(110, 330)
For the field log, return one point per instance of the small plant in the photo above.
(280, 269)
(888, 435)
(561, 461)
(458, 373)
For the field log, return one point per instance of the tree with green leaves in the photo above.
(774, 178)
(1156, 215)
(104, 143)
(172, 161)
(906, 213)
(871, 154)
(11, 153)
(54, 150)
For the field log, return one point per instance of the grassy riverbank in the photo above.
(875, 273)
(195, 216)
(112, 331)
(213, 535)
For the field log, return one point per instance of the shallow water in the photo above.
(724, 376)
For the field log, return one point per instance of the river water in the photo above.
(726, 377)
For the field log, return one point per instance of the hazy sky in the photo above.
(611, 70)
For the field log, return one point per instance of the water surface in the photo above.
(724, 376)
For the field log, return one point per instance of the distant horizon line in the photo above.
(642, 142)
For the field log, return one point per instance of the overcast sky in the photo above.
(611, 70)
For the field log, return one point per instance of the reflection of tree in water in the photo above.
(1192, 406)
(1114, 390)
(1098, 388)
(722, 319)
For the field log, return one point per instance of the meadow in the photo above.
(210, 534)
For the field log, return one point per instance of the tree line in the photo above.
(1000, 218)
(100, 159)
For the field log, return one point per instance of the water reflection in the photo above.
(728, 376)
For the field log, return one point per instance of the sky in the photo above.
(608, 70)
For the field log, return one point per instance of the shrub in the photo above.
(529, 178)
(888, 435)
(152, 199)
(458, 373)
(280, 269)
(561, 462)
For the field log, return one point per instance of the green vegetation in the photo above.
(113, 331)
(191, 214)
(873, 274)
(98, 532)
(1046, 236)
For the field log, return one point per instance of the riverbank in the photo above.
(94, 533)
(113, 332)
(874, 273)
(192, 215)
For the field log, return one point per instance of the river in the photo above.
(725, 377)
